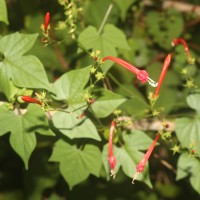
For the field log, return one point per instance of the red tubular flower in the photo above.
(163, 73)
(142, 75)
(31, 100)
(90, 101)
(142, 163)
(46, 22)
(111, 158)
(177, 41)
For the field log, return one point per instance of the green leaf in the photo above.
(193, 101)
(107, 42)
(189, 166)
(70, 86)
(188, 132)
(76, 164)
(96, 11)
(69, 125)
(16, 44)
(129, 155)
(139, 54)
(24, 71)
(106, 102)
(164, 27)
(23, 128)
(124, 6)
(3, 12)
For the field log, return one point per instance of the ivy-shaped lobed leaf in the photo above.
(129, 155)
(189, 166)
(107, 42)
(188, 129)
(106, 102)
(76, 164)
(70, 86)
(23, 129)
(72, 127)
(24, 71)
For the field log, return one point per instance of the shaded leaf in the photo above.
(69, 125)
(193, 101)
(124, 6)
(164, 31)
(76, 164)
(188, 132)
(95, 18)
(23, 128)
(129, 155)
(189, 166)
(106, 102)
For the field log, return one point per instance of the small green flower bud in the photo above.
(99, 75)
(62, 25)
(184, 71)
(92, 70)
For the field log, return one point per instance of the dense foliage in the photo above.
(75, 103)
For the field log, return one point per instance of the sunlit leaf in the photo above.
(24, 71)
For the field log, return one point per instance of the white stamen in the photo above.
(152, 82)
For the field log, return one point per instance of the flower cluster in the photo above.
(143, 76)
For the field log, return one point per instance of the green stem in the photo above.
(2, 57)
(105, 18)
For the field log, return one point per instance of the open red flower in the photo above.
(46, 22)
(142, 75)
(111, 158)
(29, 99)
(140, 167)
(162, 74)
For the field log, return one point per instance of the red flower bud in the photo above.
(46, 22)
(163, 73)
(111, 158)
(31, 100)
(142, 163)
